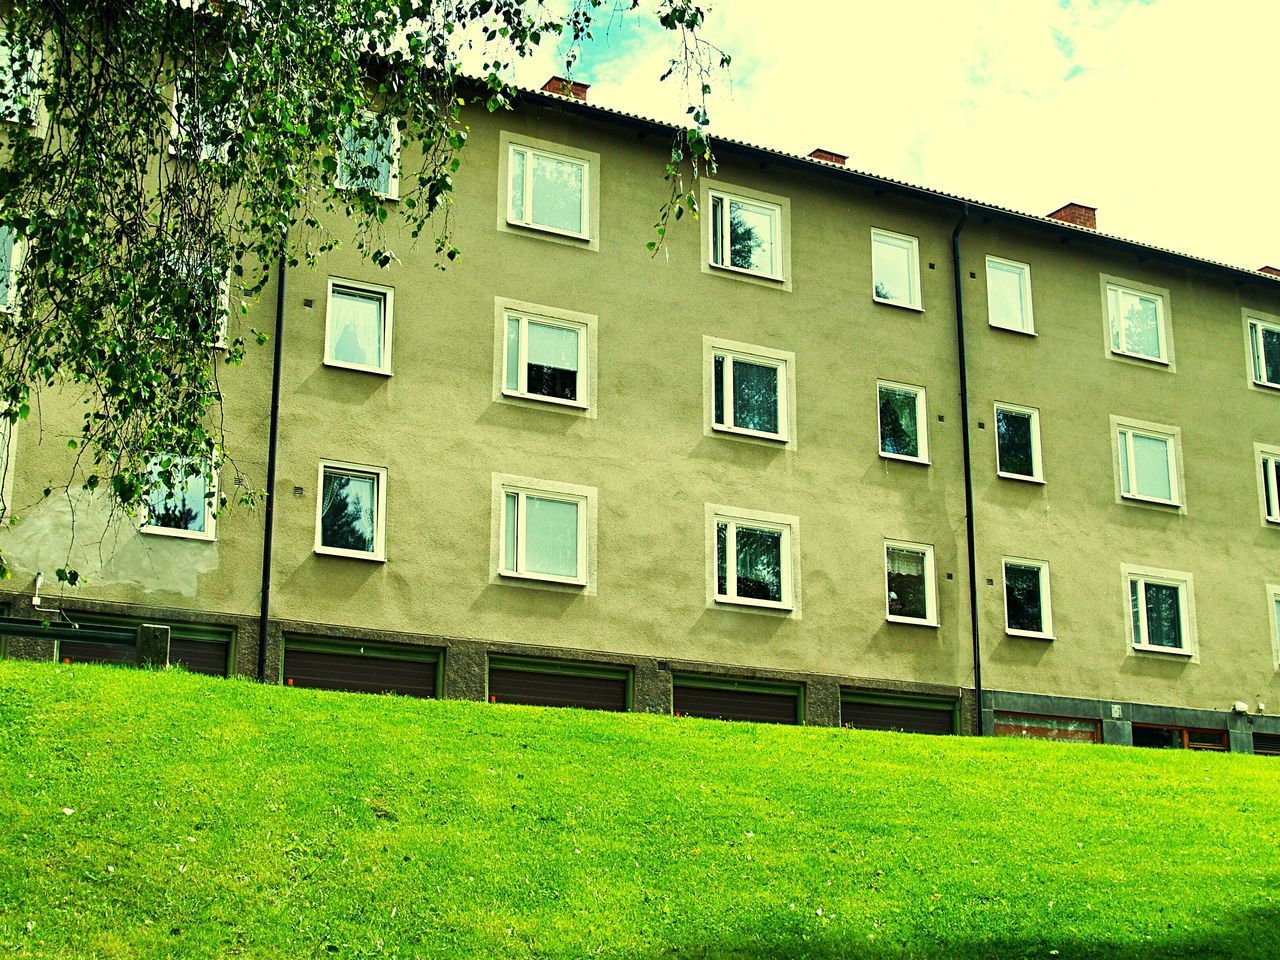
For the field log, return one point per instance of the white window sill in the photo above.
(1019, 476)
(910, 621)
(543, 229)
(742, 432)
(1025, 333)
(1173, 651)
(350, 554)
(393, 197)
(1139, 498)
(151, 531)
(1029, 634)
(750, 602)
(1158, 361)
(544, 578)
(358, 368)
(1266, 385)
(539, 398)
(905, 459)
(730, 268)
(897, 303)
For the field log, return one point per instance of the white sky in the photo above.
(1161, 113)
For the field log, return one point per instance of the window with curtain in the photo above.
(1148, 469)
(895, 268)
(548, 191)
(545, 359)
(358, 324)
(1009, 295)
(748, 394)
(544, 536)
(350, 521)
(908, 586)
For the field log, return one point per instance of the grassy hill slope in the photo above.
(170, 815)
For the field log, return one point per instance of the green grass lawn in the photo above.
(171, 815)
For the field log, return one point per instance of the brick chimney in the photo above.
(566, 88)
(1078, 214)
(828, 156)
(1270, 271)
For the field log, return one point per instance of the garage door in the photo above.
(904, 714)
(90, 651)
(360, 669)
(550, 684)
(735, 700)
(1266, 744)
(200, 648)
(1047, 728)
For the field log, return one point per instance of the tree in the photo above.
(153, 143)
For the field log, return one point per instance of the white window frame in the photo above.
(1046, 599)
(1037, 459)
(1124, 448)
(387, 294)
(930, 582)
(1273, 618)
(393, 179)
(775, 359)
(209, 533)
(912, 246)
(178, 146)
(36, 108)
(527, 221)
(1266, 463)
(775, 239)
(522, 361)
(1254, 325)
(16, 254)
(1024, 276)
(379, 553)
(1186, 609)
(1114, 328)
(754, 520)
(542, 491)
(922, 421)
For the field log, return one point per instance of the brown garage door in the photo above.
(370, 671)
(901, 714)
(733, 700)
(1047, 728)
(90, 651)
(1266, 744)
(199, 648)
(548, 684)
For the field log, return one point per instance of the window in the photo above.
(1148, 468)
(202, 287)
(10, 261)
(200, 130)
(369, 157)
(1018, 442)
(749, 393)
(753, 560)
(351, 511)
(1137, 323)
(1264, 349)
(910, 590)
(1027, 612)
(20, 88)
(181, 500)
(548, 191)
(1273, 603)
(1159, 611)
(895, 269)
(358, 326)
(543, 535)
(746, 235)
(1270, 463)
(1009, 295)
(904, 432)
(545, 358)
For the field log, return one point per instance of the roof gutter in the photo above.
(966, 442)
(264, 614)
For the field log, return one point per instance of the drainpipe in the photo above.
(268, 532)
(968, 464)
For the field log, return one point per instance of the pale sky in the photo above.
(1160, 113)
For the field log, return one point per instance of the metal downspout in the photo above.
(268, 532)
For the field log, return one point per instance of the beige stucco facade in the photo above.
(442, 430)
